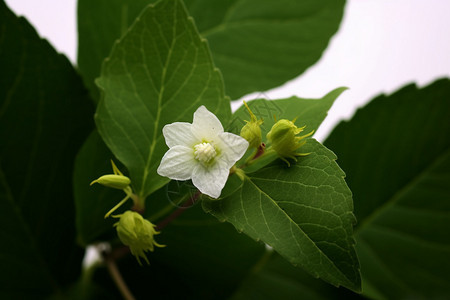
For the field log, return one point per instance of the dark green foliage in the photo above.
(257, 44)
(45, 115)
(304, 212)
(396, 153)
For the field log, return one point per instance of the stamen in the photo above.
(204, 152)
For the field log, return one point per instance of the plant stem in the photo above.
(117, 206)
(118, 279)
(260, 151)
(178, 212)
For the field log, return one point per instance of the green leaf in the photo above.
(304, 212)
(275, 278)
(45, 114)
(100, 23)
(160, 72)
(261, 44)
(93, 202)
(309, 112)
(396, 152)
(258, 44)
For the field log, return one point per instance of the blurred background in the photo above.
(381, 46)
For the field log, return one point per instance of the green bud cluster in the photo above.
(133, 230)
(137, 233)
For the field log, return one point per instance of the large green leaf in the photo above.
(261, 44)
(396, 153)
(45, 114)
(160, 72)
(258, 44)
(304, 212)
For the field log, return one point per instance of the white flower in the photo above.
(201, 151)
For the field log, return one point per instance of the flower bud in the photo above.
(284, 139)
(252, 130)
(113, 181)
(137, 233)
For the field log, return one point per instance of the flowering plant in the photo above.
(212, 203)
(201, 151)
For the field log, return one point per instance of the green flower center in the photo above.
(204, 152)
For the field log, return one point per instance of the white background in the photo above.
(380, 46)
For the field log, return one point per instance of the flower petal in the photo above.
(206, 125)
(178, 163)
(179, 133)
(210, 180)
(232, 148)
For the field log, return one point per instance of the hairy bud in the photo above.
(252, 130)
(137, 233)
(284, 139)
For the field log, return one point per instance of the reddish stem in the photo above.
(260, 152)
(118, 279)
(178, 212)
